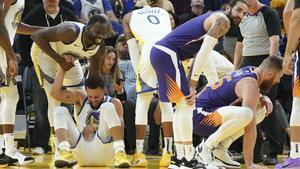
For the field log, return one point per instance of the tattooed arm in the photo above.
(217, 25)
(65, 95)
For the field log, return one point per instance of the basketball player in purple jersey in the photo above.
(196, 38)
(216, 116)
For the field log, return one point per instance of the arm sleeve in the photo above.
(272, 21)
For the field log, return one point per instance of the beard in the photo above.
(234, 21)
(266, 86)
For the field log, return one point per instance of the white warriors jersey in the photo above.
(11, 20)
(90, 8)
(87, 115)
(76, 48)
(150, 23)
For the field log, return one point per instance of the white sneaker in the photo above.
(204, 154)
(38, 151)
(22, 159)
(223, 158)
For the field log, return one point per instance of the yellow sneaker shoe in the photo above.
(64, 159)
(165, 159)
(120, 160)
(139, 160)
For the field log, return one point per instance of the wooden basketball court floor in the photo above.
(45, 162)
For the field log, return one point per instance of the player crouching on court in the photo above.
(217, 117)
(97, 136)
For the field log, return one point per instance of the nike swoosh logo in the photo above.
(287, 165)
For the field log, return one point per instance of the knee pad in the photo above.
(260, 114)
(109, 114)
(60, 117)
(9, 100)
(142, 106)
(184, 121)
(246, 115)
(166, 112)
(295, 116)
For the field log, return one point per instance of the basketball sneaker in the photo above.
(204, 154)
(289, 163)
(165, 159)
(139, 160)
(120, 160)
(223, 158)
(6, 160)
(64, 158)
(21, 159)
(175, 163)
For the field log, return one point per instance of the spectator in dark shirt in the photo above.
(197, 7)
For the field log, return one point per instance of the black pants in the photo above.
(270, 125)
(41, 132)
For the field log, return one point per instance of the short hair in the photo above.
(94, 82)
(273, 62)
(103, 19)
(232, 3)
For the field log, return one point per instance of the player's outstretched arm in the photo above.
(287, 14)
(65, 95)
(293, 41)
(64, 32)
(133, 46)
(26, 29)
(250, 99)
(4, 40)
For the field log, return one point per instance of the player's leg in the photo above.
(294, 160)
(167, 122)
(10, 98)
(221, 151)
(141, 121)
(228, 120)
(173, 87)
(110, 126)
(67, 135)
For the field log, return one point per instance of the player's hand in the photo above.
(255, 166)
(88, 132)
(287, 65)
(66, 65)
(266, 102)
(118, 87)
(190, 99)
(12, 68)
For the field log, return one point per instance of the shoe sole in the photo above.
(123, 165)
(61, 163)
(171, 166)
(227, 165)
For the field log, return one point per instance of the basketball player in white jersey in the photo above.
(10, 16)
(97, 137)
(136, 27)
(53, 44)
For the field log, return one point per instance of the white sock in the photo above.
(295, 150)
(55, 141)
(168, 144)
(65, 146)
(189, 152)
(139, 146)
(9, 143)
(1, 143)
(179, 151)
(119, 146)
